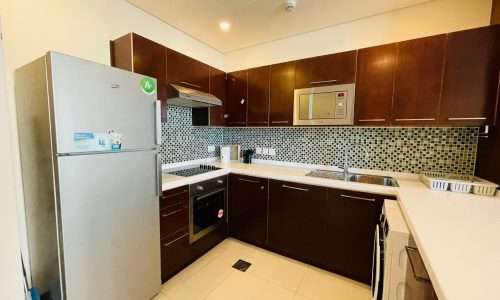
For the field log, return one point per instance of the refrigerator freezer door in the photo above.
(110, 225)
(88, 100)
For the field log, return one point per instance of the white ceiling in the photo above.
(258, 21)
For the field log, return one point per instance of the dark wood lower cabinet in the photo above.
(248, 209)
(350, 230)
(297, 220)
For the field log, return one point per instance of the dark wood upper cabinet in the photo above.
(470, 78)
(338, 68)
(281, 98)
(218, 89)
(187, 72)
(374, 85)
(248, 208)
(297, 220)
(417, 86)
(350, 227)
(236, 98)
(135, 53)
(258, 96)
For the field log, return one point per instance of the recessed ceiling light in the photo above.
(224, 25)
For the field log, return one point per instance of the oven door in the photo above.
(206, 212)
(378, 265)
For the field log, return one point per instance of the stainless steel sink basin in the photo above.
(361, 178)
(372, 179)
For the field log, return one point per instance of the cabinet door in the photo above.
(297, 220)
(236, 101)
(258, 96)
(350, 228)
(417, 84)
(175, 255)
(137, 54)
(374, 85)
(469, 97)
(282, 88)
(338, 68)
(218, 89)
(248, 209)
(187, 72)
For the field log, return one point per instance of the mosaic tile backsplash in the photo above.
(182, 141)
(398, 149)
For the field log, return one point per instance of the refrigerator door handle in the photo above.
(158, 121)
(158, 175)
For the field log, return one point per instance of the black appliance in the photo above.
(194, 170)
(247, 156)
(207, 207)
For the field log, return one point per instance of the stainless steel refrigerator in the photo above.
(88, 137)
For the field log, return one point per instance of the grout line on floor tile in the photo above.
(222, 281)
(302, 279)
(270, 281)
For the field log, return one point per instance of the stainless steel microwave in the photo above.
(325, 105)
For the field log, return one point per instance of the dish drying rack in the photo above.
(458, 183)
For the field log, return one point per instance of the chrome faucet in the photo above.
(346, 156)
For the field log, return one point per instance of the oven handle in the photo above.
(197, 198)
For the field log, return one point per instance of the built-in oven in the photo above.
(324, 105)
(207, 207)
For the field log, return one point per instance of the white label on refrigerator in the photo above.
(98, 141)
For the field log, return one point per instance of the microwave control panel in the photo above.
(340, 104)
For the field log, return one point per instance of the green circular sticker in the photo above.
(148, 85)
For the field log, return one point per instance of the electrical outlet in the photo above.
(272, 151)
(211, 148)
(265, 151)
(258, 150)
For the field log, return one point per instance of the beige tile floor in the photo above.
(271, 276)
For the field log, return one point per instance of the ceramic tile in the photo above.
(161, 296)
(319, 285)
(278, 269)
(246, 286)
(230, 250)
(200, 283)
(300, 297)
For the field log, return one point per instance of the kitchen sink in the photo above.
(372, 179)
(361, 178)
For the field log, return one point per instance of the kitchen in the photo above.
(286, 210)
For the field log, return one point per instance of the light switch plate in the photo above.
(258, 150)
(265, 151)
(272, 151)
(211, 148)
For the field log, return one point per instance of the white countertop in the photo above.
(458, 235)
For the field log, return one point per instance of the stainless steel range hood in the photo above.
(182, 96)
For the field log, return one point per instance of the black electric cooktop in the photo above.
(194, 170)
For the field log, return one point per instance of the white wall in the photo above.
(80, 28)
(435, 17)
(11, 286)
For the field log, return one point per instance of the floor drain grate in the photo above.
(242, 265)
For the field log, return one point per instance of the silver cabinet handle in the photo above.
(209, 194)
(170, 243)
(280, 122)
(422, 272)
(358, 198)
(372, 120)
(236, 123)
(423, 119)
(465, 119)
(324, 81)
(174, 212)
(248, 180)
(295, 188)
(190, 84)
